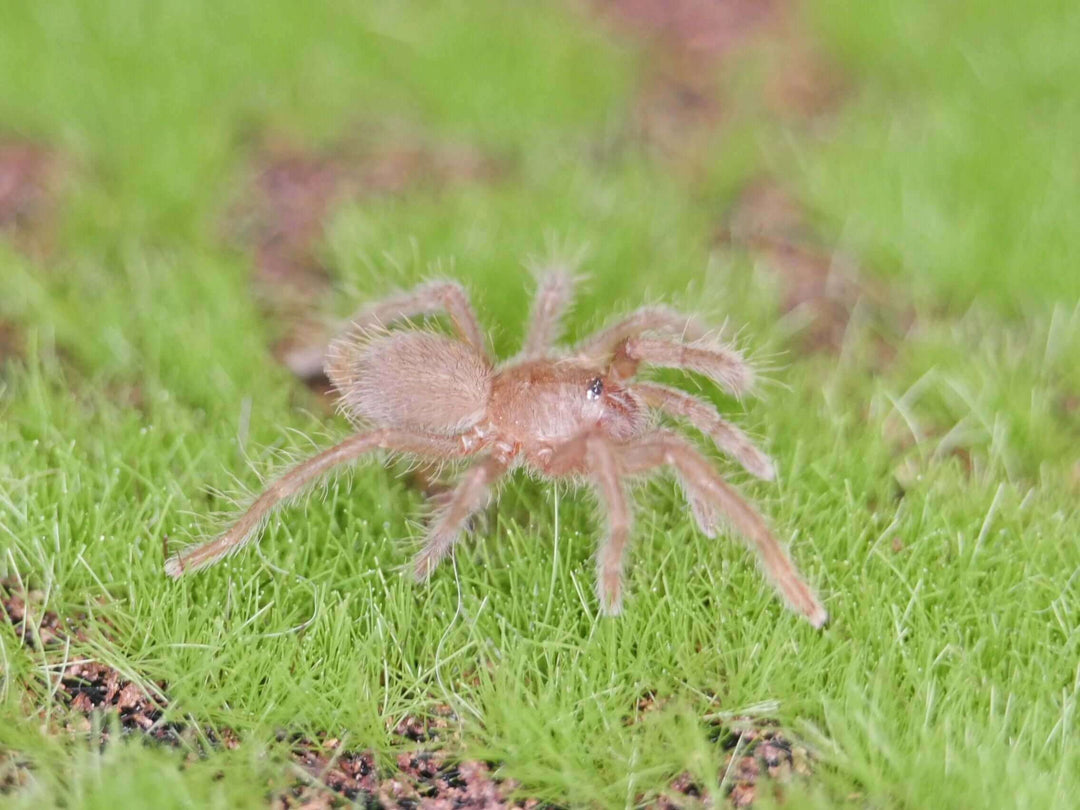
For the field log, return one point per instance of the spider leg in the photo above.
(719, 363)
(425, 299)
(612, 553)
(470, 494)
(295, 480)
(595, 455)
(553, 297)
(704, 417)
(699, 478)
(603, 343)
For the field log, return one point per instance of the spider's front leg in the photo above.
(595, 455)
(704, 417)
(603, 343)
(720, 363)
(664, 448)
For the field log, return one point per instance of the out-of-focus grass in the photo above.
(932, 498)
(158, 101)
(957, 163)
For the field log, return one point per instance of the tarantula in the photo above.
(577, 413)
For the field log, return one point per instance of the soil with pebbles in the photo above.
(753, 755)
(326, 773)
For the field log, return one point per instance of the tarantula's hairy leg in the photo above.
(594, 454)
(552, 299)
(470, 494)
(426, 299)
(602, 344)
(664, 448)
(295, 480)
(704, 417)
(719, 363)
(609, 559)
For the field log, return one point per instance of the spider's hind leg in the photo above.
(426, 299)
(553, 297)
(293, 482)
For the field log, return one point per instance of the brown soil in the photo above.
(29, 179)
(14, 772)
(754, 758)
(86, 686)
(820, 284)
(423, 777)
(11, 340)
(694, 47)
(758, 760)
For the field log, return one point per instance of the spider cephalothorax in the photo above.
(577, 412)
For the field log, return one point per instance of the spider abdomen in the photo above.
(416, 380)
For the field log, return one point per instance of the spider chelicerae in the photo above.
(577, 412)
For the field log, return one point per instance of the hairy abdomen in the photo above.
(417, 380)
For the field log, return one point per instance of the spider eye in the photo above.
(596, 388)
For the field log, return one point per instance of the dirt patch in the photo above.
(42, 633)
(87, 687)
(29, 179)
(710, 62)
(421, 779)
(803, 84)
(331, 770)
(292, 194)
(753, 756)
(14, 772)
(705, 28)
(11, 341)
(328, 773)
(818, 285)
(693, 49)
(757, 760)
(688, 44)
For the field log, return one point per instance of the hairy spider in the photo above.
(577, 413)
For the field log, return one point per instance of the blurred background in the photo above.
(879, 200)
(308, 153)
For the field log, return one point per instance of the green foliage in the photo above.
(957, 164)
(932, 497)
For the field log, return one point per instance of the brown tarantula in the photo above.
(576, 413)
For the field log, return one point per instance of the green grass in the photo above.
(949, 675)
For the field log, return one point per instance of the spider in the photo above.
(576, 413)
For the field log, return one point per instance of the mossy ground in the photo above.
(929, 460)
